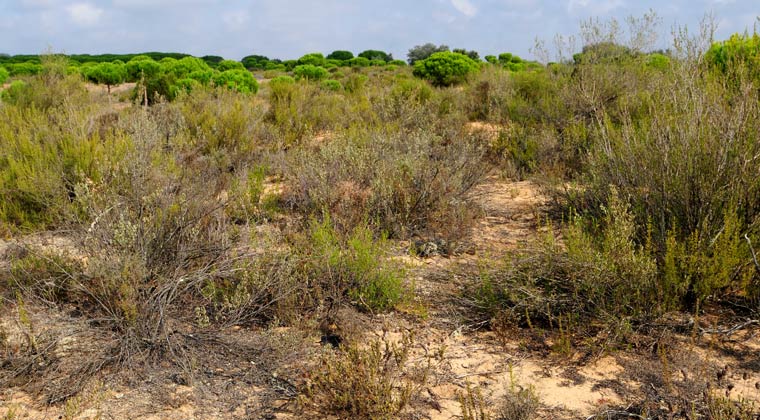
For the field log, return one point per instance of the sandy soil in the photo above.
(568, 385)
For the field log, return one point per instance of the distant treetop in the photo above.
(376, 55)
(421, 52)
(341, 55)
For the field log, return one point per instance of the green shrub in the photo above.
(356, 83)
(202, 76)
(14, 92)
(142, 66)
(658, 61)
(359, 62)
(178, 69)
(737, 51)
(446, 68)
(340, 55)
(602, 275)
(108, 74)
(356, 265)
(282, 80)
(313, 59)
(238, 80)
(3, 75)
(51, 88)
(186, 85)
(255, 62)
(310, 72)
(332, 85)
(43, 165)
(221, 125)
(422, 52)
(24, 69)
(153, 90)
(225, 65)
(376, 55)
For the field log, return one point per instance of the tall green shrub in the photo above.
(446, 68)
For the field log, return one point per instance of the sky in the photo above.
(290, 28)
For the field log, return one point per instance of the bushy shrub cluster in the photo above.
(237, 79)
(446, 68)
(310, 72)
(405, 183)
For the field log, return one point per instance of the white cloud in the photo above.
(465, 7)
(84, 14)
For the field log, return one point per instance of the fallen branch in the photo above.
(731, 330)
(609, 413)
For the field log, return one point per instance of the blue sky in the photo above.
(291, 28)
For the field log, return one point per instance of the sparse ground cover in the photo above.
(574, 240)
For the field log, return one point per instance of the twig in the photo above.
(493, 372)
(617, 413)
(731, 330)
(752, 250)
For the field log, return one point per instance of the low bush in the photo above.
(237, 79)
(24, 69)
(298, 110)
(313, 59)
(332, 85)
(374, 382)
(354, 267)
(225, 65)
(403, 183)
(310, 72)
(584, 278)
(446, 68)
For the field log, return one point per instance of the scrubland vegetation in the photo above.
(203, 198)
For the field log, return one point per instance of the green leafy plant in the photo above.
(340, 55)
(225, 65)
(356, 265)
(332, 85)
(239, 80)
(446, 68)
(310, 72)
(142, 67)
(108, 74)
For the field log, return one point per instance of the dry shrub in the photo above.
(156, 253)
(220, 121)
(402, 183)
(374, 382)
(297, 110)
(569, 285)
(519, 404)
